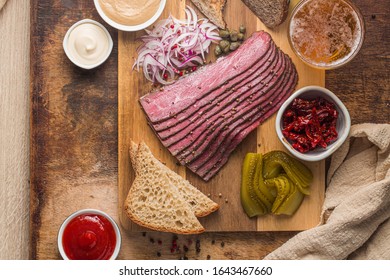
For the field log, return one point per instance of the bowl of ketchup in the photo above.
(89, 234)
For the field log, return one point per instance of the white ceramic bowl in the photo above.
(68, 53)
(89, 211)
(343, 124)
(130, 27)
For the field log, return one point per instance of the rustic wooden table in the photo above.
(80, 150)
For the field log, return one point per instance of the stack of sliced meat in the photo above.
(203, 117)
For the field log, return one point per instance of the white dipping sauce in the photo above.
(88, 44)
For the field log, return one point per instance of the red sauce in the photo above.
(89, 237)
(309, 124)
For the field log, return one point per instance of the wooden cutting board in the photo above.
(224, 188)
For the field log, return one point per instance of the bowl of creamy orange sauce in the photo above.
(130, 15)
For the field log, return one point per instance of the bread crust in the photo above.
(152, 227)
(212, 206)
(213, 10)
(261, 9)
(152, 174)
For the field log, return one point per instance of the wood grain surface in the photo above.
(225, 185)
(74, 134)
(14, 129)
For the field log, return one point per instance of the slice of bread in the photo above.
(133, 150)
(271, 12)
(153, 202)
(213, 10)
(200, 204)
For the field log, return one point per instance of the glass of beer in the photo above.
(326, 34)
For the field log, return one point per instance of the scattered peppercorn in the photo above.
(158, 254)
(222, 244)
(197, 246)
(208, 257)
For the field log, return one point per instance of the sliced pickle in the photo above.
(282, 185)
(299, 174)
(291, 204)
(250, 202)
(260, 189)
(274, 182)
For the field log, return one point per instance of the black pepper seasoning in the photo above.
(197, 246)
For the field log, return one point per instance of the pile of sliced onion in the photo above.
(174, 46)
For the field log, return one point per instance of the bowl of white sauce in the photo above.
(87, 44)
(131, 15)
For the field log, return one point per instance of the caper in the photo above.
(234, 46)
(227, 49)
(224, 33)
(218, 50)
(224, 43)
(234, 36)
(242, 29)
(240, 36)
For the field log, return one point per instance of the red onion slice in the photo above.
(174, 45)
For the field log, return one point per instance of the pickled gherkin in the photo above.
(261, 190)
(273, 183)
(250, 202)
(276, 161)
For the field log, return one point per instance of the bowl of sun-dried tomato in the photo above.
(313, 123)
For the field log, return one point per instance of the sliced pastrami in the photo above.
(220, 160)
(199, 123)
(250, 102)
(162, 105)
(219, 143)
(173, 124)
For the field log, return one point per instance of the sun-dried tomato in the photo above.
(309, 124)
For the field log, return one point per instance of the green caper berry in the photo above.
(242, 29)
(234, 36)
(218, 50)
(240, 37)
(224, 33)
(224, 43)
(227, 49)
(234, 46)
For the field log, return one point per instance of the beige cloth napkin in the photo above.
(355, 221)
(2, 2)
